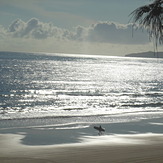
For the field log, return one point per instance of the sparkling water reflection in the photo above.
(33, 85)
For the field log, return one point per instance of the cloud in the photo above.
(34, 29)
(108, 38)
(116, 33)
(107, 32)
(3, 32)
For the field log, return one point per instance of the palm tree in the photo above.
(150, 17)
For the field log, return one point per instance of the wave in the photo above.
(141, 94)
(100, 93)
(152, 94)
(70, 109)
(72, 127)
(159, 104)
(81, 93)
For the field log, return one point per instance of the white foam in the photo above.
(72, 127)
(126, 139)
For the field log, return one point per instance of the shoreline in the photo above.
(55, 134)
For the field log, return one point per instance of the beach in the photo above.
(86, 145)
(92, 153)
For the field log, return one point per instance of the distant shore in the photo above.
(149, 54)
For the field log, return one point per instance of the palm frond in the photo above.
(150, 17)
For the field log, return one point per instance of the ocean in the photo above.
(54, 89)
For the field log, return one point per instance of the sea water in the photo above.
(47, 89)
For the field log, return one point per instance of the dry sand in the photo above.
(119, 149)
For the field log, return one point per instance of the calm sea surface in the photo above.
(68, 88)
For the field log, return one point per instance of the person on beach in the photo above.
(100, 129)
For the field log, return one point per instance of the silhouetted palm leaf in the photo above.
(151, 17)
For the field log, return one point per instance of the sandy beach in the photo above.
(145, 149)
(19, 145)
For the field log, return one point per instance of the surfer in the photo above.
(100, 129)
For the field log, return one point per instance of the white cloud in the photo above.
(99, 38)
(34, 29)
(108, 32)
(3, 32)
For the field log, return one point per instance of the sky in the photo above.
(100, 27)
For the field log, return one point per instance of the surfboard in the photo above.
(100, 129)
